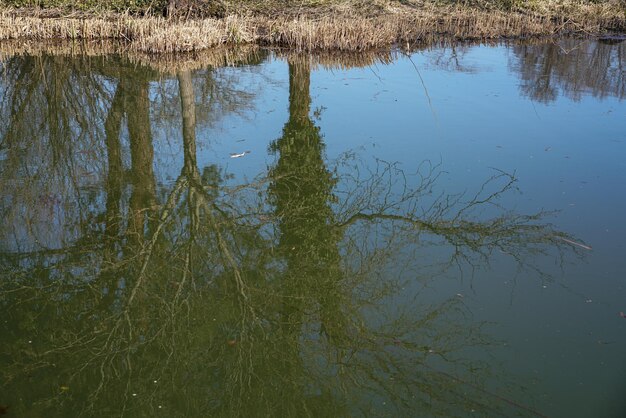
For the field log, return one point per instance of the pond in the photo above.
(261, 233)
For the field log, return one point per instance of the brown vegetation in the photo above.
(171, 64)
(311, 29)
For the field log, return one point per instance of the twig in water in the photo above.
(578, 244)
(430, 103)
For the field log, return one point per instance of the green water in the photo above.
(438, 233)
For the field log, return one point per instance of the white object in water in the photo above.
(238, 155)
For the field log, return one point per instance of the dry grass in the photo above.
(171, 64)
(341, 30)
(168, 64)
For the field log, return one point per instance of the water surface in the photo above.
(437, 233)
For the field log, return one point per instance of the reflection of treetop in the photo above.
(279, 296)
(573, 66)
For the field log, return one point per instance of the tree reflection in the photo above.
(301, 192)
(283, 296)
(573, 67)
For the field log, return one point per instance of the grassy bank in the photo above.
(193, 25)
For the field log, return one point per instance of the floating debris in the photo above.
(578, 244)
(238, 155)
(622, 314)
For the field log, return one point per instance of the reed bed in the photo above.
(165, 64)
(171, 64)
(309, 32)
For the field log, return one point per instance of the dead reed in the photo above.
(168, 64)
(310, 32)
(171, 64)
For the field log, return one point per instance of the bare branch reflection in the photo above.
(301, 293)
(571, 67)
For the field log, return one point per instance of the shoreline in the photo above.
(309, 31)
(98, 52)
